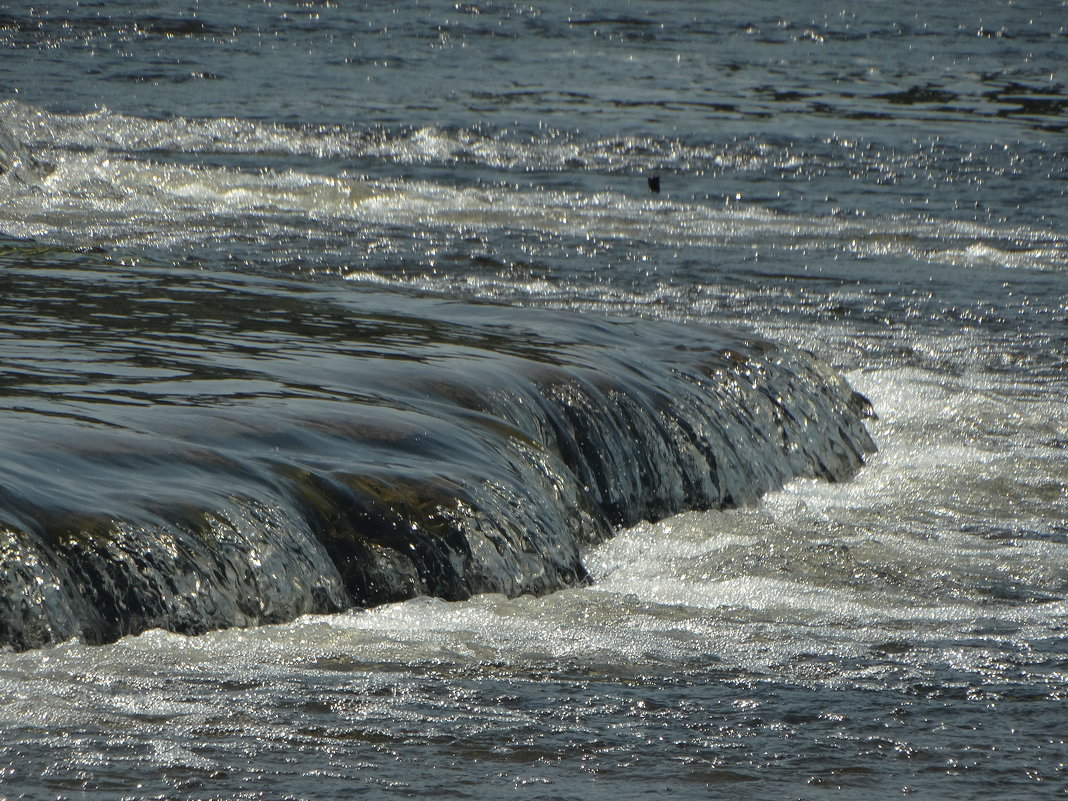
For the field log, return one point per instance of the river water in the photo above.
(277, 274)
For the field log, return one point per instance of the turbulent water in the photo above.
(372, 428)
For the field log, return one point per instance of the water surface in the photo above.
(212, 213)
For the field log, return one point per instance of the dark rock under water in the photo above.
(189, 453)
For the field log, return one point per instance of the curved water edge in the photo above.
(190, 452)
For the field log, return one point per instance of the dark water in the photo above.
(308, 307)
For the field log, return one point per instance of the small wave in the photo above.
(118, 180)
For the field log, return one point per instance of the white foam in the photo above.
(113, 180)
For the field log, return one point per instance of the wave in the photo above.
(132, 182)
(191, 452)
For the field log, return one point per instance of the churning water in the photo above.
(370, 427)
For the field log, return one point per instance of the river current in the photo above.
(471, 400)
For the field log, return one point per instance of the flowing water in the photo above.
(370, 427)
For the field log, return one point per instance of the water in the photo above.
(288, 288)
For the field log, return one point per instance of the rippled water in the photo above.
(213, 213)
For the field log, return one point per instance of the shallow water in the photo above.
(211, 214)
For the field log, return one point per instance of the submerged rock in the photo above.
(277, 453)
